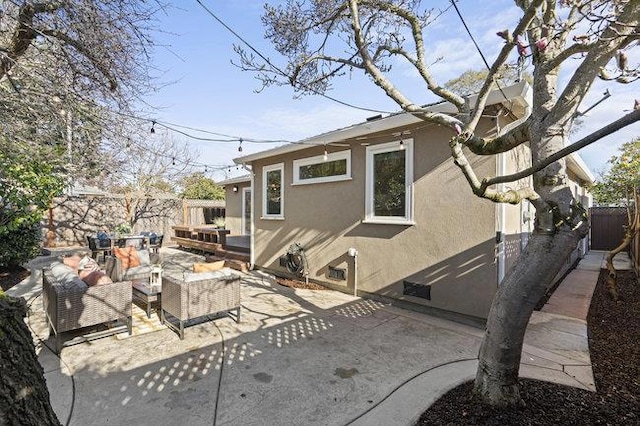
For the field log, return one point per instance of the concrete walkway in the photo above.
(297, 357)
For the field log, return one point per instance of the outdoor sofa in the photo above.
(190, 297)
(71, 304)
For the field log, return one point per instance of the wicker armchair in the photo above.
(198, 295)
(71, 307)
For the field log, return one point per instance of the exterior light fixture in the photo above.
(235, 188)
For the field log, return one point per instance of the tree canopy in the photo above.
(199, 187)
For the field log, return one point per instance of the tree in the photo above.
(199, 187)
(324, 39)
(621, 186)
(64, 65)
(147, 169)
(26, 188)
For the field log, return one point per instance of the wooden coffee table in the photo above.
(143, 292)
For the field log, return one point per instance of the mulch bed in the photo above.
(298, 284)
(11, 277)
(614, 346)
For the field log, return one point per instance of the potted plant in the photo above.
(219, 222)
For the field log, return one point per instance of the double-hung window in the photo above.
(272, 191)
(389, 183)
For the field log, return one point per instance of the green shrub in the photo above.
(20, 245)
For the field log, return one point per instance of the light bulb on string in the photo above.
(173, 161)
(153, 127)
(325, 156)
(402, 145)
(240, 146)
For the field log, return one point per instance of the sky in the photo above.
(201, 88)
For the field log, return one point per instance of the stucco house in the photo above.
(380, 208)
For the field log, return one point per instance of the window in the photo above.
(336, 166)
(389, 190)
(272, 196)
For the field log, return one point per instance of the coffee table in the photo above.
(143, 292)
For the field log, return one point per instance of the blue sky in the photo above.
(204, 90)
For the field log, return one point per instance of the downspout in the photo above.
(252, 254)
(501, 166)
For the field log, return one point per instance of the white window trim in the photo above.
(265, 170)
(407, 219)
(318, 159)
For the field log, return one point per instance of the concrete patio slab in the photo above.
(298, 357)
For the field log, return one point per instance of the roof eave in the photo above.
(516, 94)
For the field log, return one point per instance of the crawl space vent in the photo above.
(337, 273)
(417, 290)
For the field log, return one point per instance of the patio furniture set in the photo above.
(72, 304)
(103, 244)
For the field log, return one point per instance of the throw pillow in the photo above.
(72, 261)
(208, 267)
(88, 264)
(128, 256)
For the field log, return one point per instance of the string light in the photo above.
(173, 161)
(240, 146)
(401, 144)
(325, 156)
(153, 127)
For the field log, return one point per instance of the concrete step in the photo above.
(231, 254)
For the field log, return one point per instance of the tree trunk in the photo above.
(522, 288)
(630, 232)
(24, 398)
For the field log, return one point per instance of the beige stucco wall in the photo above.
(233, 213)
(451, 246)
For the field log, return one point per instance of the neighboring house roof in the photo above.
(79, 189)
(516, 97)
(239, 179)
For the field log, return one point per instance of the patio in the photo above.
(297, 357)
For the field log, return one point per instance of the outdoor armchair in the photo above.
(193, 296)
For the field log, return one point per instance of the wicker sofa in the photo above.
(190, 297)
(70, 304)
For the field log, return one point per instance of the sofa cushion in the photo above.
(144, 257)
(201, 276)
(128, 256)
(209, 266)
(136, 271)
(66, 277)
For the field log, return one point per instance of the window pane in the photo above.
(274, 191)
(389, 191)
(326, 169)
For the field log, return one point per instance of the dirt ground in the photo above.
(614, 336)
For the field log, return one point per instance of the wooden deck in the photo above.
(234, 250)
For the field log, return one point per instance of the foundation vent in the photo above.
(422, 291)
(337, 273)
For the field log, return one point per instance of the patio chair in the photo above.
(154, 242)
(193, 297)
(99, 246)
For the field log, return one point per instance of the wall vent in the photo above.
(417, 290)
(337, 273)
